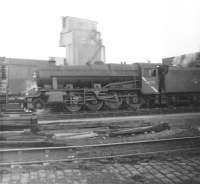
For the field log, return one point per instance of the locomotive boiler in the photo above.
(114, 86)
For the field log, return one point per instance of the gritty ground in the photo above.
(179, 126)
(99, 133)
(183, 169)
(103, 138)
(186, 121)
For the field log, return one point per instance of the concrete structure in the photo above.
(82, 41)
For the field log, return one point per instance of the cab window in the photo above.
(149, 72)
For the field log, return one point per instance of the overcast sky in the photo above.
(132, 30)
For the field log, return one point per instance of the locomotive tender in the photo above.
(114, 86)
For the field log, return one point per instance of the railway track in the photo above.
(122, 121)
(26, 143)
(116, 113)
(52, 115)
(97, 151)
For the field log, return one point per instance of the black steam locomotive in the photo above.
(114, 86)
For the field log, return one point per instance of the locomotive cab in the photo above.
(153, 83)
(149, 78)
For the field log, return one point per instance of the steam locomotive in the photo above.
(114, 86)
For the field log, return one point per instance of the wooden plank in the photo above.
(140, 130)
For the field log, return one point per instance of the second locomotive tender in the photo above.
(114, 86)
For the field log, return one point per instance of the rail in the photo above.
(97, 151)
